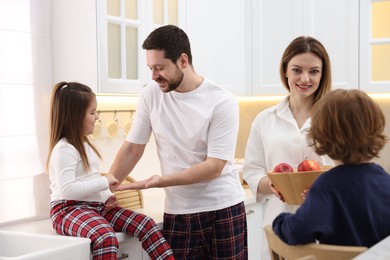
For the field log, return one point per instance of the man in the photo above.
(195, 124)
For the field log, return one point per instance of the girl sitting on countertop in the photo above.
(82, 203)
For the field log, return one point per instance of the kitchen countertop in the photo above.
(153, 207)
(379, 251)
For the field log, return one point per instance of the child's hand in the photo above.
(304, 193)
(112, 181)
(111, 202)
(276, 192)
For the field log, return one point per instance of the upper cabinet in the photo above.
(122, 27)
(237, 44)
(74, 42)
(240, 47)
(375, 45)
(220, 35)
(334, 23)
(98, 42)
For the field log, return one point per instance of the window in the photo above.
(122, 27)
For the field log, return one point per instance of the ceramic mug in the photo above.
(112, 128)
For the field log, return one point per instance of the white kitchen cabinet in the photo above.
(219, 33)
(220, 44)
(132, 248)
(374, 46)
(81, 44)
(241, 47)
(74, 42)
(122, 28)
(255, 230)
(335, 23)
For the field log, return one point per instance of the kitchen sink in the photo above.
(20, 245)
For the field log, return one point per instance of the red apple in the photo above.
(308, 165)
(283, 167)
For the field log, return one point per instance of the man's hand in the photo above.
(151, 182)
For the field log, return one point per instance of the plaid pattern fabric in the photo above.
(220, 234)
(91, 220)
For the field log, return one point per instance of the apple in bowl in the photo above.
(283, 167)
(308, 165)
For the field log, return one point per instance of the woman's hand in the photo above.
(276, 192)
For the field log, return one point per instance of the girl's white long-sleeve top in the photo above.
(70, 180)
(274, 138)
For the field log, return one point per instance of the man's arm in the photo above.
(125, 160)
(207, 170)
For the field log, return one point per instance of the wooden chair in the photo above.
(280, 250)
(129, 199)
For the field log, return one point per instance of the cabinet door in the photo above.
(255, 230)
(274, 28)
(219, 42)
(74, 46)
(375, 46)
(335, 23)
(131, 247)
(123, 26)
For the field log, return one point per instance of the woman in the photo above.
(78, 191)
(278, 134)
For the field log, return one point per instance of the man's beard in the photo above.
(172, 86)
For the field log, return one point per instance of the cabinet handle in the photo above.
(251, 211)
(123, 256)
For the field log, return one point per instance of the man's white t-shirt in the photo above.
(188, 128)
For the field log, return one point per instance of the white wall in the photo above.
(25, 83)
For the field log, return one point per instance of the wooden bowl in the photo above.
(292, 184)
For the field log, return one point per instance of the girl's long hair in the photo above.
(69, 104)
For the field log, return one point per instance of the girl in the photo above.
(78, 191)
